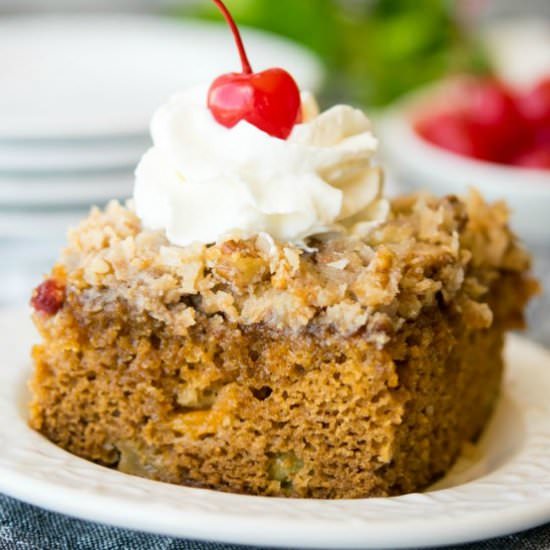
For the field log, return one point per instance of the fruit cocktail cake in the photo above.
(261, 319)
(356, 369)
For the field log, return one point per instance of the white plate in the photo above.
(78, 155)
(76, 190)
(93, 75)
(506, 489)
(48, 226)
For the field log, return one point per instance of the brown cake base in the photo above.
(269, 408)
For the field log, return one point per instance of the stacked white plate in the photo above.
(76, 98)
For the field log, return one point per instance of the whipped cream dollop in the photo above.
(203, 182)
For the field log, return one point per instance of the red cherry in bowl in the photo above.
(453, 132)
(535, 157)
(535, 104)
(493, 114)
(489, 103)
(269, 100)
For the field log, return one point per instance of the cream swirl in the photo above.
(203, 182)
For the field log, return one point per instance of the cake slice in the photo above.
(261, 320)
(355, 366)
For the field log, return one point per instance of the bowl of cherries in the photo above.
(477, 132)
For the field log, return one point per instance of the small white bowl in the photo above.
(417, 164)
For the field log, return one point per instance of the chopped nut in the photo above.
(339, 264)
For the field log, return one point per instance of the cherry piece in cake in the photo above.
(48, 297)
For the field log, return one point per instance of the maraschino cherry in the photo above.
(269, 100)
(48, 297)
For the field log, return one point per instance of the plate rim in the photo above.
(72, 189)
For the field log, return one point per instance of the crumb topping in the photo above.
(429, 250)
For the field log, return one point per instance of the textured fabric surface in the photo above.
(24, 527)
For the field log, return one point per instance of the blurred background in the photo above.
(81, 78)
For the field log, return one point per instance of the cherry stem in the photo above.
(247, 69)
